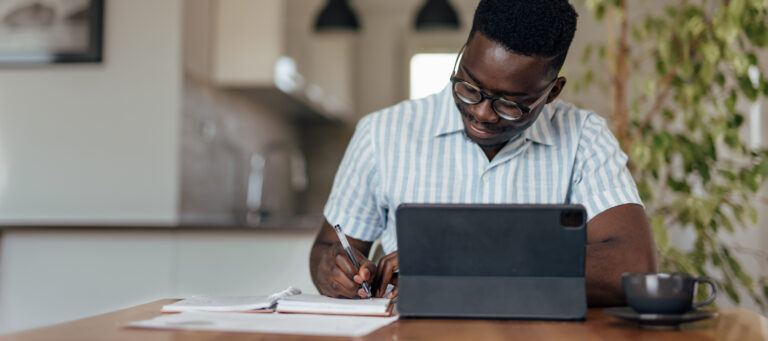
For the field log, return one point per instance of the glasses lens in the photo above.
(507, 110)
(467, 93)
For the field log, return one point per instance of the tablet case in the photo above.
(492, 261)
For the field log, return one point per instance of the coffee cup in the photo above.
(664, 293)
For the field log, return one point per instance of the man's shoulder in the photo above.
(567, 116)
(563, 112)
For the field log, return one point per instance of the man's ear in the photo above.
(559, 85)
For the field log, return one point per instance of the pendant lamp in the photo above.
(336, 16)
(437, 14)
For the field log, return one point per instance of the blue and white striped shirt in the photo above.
(417, 152)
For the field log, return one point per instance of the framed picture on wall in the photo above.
(51, 31)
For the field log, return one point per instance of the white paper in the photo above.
(308, 303)
(219, 303)
(229, 303)
(304, 324)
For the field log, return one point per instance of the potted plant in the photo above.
(680, 79)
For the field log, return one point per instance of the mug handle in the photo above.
(711, 296)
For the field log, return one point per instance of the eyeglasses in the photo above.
(504, 108)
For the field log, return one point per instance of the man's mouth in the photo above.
(480, 131)
(477, 128)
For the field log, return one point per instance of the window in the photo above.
(430, 73)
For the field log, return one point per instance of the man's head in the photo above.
(515, 51)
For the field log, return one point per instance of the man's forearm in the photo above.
(606, 262)
(318, 248)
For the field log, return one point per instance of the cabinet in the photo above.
(240, 45)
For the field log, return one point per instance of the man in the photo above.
(494, 135)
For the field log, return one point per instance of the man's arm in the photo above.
(619, 240)
(332, 272)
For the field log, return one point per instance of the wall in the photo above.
(97, 143)
(101, 143)
(220, 132)
(54, 276)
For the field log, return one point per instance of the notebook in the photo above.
(251, 304)
(317, 304)
(298, 324)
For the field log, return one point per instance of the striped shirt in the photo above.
(417, 152)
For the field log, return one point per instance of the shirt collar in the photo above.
(450, 117)
(540, 132)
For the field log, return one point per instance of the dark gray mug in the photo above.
(664, 293)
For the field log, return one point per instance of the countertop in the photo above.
(297, 224)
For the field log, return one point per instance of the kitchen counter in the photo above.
(297, 224)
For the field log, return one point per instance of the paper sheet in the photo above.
(229, 303)
(310, 303)
(329, 325)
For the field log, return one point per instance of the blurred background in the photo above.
(186, 147)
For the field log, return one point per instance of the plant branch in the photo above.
(620, 78)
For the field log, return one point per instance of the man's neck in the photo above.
(490, 152)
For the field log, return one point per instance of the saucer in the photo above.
(659, 321)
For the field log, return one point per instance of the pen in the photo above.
(345, 245)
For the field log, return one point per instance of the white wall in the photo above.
(98, 142)
(54, 276)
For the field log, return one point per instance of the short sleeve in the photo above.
(600, 178)
(354, 202)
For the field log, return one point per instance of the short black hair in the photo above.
(528, 27)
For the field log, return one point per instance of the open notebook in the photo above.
(290, 300)
(317, 304)
(251, 304)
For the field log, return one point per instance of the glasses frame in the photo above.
(524, 110)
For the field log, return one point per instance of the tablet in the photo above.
(492, 261)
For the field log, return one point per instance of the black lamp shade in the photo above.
(437, 14)
(336, 15)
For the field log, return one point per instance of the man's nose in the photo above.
(483, 112)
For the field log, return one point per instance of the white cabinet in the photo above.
(241, 45)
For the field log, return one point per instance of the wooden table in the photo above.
(732, 324)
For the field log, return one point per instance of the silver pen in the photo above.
(348, 249)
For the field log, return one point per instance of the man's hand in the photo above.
(332, 271)
(385, 274)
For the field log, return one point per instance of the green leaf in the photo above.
(745, 84)
(732, 139)
(730, 102)
(752, 58)
(720, 79)
(678, 185)
(736, 121)
(599, 12)
(765, 291)
(752, 214)
(660, 232)
(641, 154)
(732, 294)
(764, 87)
(749, 180)
(762, 167)
(736, 9)
(716, 260)
(727, 174)
(587, 54)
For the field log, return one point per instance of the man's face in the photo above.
(499, 72)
